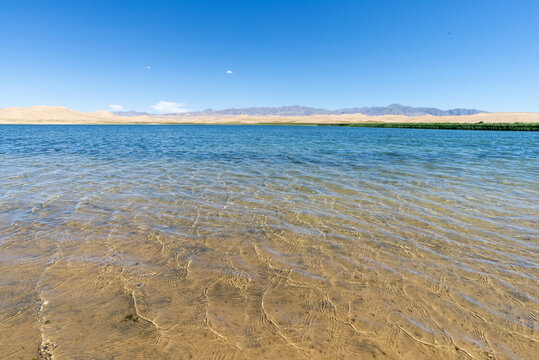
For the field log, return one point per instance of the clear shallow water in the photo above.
(241, 242)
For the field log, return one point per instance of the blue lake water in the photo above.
(268, 241)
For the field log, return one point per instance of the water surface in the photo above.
(244, 242)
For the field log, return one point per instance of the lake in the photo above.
(290, 242)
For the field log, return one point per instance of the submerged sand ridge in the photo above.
(62, 115)
(169, 244)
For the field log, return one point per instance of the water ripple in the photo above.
(268, 241)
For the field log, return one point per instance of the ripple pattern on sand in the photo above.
(228, 242)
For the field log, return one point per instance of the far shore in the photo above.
(61, 115)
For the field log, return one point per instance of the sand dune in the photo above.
(63, 115)
(50, 114)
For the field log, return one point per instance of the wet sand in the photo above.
(114, 253)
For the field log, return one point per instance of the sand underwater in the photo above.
(263, 242)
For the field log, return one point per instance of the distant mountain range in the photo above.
(129, 113)
(297, 110)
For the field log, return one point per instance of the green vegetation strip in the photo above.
(450, 126)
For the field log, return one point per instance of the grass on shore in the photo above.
(450, 126)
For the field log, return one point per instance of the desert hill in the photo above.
(63, 115)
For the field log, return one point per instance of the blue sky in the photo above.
(157, 55)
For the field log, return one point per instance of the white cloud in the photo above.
(148, 67)
(229, 72)
(167, 107)
(116, 107)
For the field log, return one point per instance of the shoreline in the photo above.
(517, 126)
